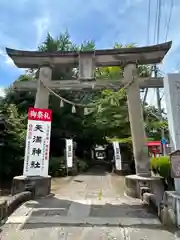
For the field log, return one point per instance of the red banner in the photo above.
(40, 114)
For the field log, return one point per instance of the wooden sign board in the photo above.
(175, 164)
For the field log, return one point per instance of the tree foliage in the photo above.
(63, 43)
(110, 114)
(12, 152)
(154, 123)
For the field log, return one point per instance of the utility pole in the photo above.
(159, 109)
(145, 96)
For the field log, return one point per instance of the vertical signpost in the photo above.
(164, 143)
(69, 154)
(117, 155)
(36, 161)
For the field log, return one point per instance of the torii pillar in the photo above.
(136, 122)
(42, 94)
(142, 182)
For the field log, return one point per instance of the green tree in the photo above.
(12, 157)
(154, 123)
(63, 43)
(110, 114)
(110, 117)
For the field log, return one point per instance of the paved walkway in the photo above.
(91, 206)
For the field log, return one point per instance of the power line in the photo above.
(159, 19)
(148, 33)
(177, 68)
(169, 19)
(162, 96)
(156, 19)
(148, 22)
(158, 23)
(145, 96)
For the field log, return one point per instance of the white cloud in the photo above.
(41, 25)
(1, 52)
(2, 92)
(6, 58)
(9, 61)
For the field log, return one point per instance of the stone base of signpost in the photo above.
(136, 186)
(39, 186)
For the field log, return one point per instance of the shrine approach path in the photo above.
(90, 206)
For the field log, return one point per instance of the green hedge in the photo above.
(161, 165)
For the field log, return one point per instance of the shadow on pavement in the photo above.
(135, 215)
(28, 226)
(97, 170)
(52, 212)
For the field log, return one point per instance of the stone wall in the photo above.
(7, 207)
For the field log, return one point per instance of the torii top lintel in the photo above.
(107, 57)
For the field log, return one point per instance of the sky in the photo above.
(24, 25)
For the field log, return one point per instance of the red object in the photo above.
(153, 143)
(40, 114)
(154, 147)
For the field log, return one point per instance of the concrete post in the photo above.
(42, 94)
(41, 185)
(136, 123)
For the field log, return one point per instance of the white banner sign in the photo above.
(36, 161)
(117, 156)
(69, 152)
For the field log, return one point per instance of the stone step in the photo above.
(85, 221)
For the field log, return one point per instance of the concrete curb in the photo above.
(7, 207)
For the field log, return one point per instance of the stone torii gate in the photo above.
(87, 63)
